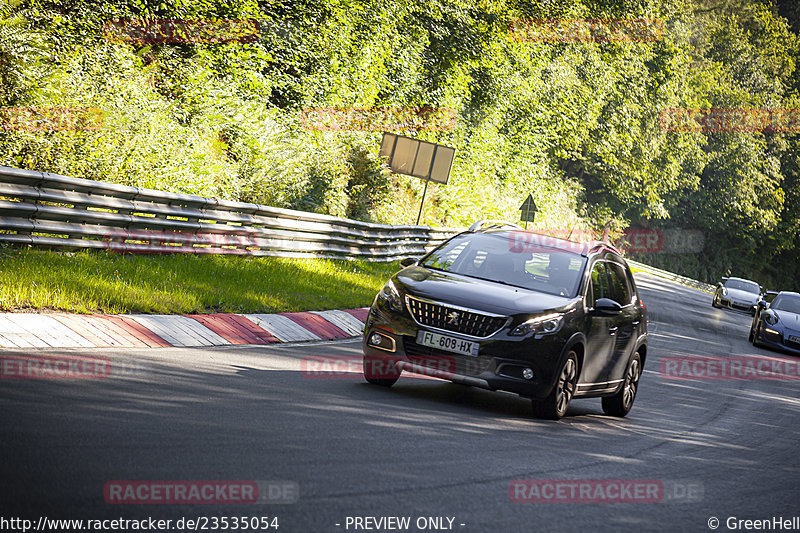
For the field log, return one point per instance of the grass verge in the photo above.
(102, 282)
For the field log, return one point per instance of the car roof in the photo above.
(790, 293)
(540, 239)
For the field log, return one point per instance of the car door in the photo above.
(625, 324)
(600, 330)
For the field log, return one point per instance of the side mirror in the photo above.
(408, 261)
(607, 307)
(763, 304)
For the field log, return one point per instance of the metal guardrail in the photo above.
(672, 276)
(50, 210)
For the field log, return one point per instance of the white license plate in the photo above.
(447, 343)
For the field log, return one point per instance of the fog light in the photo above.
(527, 373)
(381, 341)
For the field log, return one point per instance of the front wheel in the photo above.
(555, 405)
(620, 404)
(380, 371)
(754, 339)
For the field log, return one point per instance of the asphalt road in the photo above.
(425, 448)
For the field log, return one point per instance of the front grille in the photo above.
(454, 319)
(792, 344)
(445, 361)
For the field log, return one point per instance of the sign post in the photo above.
(427, 180)
(421, 159)
(529, 210)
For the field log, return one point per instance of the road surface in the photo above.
(423, 450)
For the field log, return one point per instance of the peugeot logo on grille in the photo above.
(453, 318)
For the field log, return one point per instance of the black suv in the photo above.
(502, 308)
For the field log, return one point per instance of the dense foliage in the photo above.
(577, 123)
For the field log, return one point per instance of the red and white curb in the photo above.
(61, 330)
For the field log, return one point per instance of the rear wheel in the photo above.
(555, 405)
(620, 404)
(380, 371)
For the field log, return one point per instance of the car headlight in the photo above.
(391, 296)
(724, 291)
(770, 318)
(541, 324)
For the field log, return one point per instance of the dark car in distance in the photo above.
(777, 324)
(502, 308)
(737, 294)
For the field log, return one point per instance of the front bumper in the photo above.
(501, 362)
(745, 307)
(779, 341)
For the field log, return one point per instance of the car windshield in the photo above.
(743, 285)
(498, 257)
(787, 302)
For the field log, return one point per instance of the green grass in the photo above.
(102, 282)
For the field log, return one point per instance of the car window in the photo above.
(631, 284)
(599, 287)
(786, 302)
(493, 257)
(769, 296)
(620, 288)
(743, 285)
(449, 255)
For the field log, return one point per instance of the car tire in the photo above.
(380, 371)
(621, 403)
(751, 337)
(555, 405)
(714, 303)
(754, 340)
